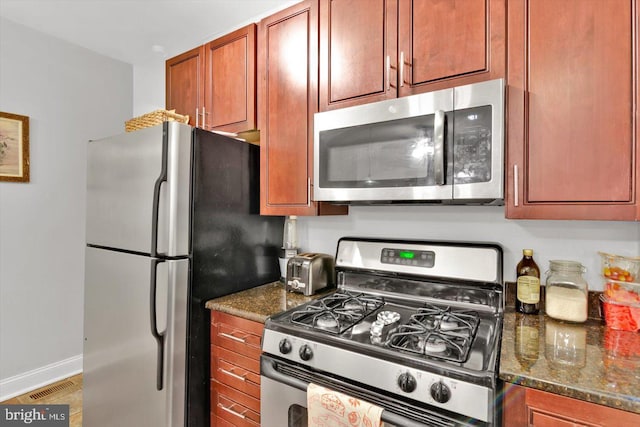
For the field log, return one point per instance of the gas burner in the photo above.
(448, 325)
(438, 332)
(326, 322)
(463, 323)
(429, 316)
(435, 346)
(337, 312)
(352, 305)
(415, 339)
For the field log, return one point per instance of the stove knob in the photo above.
(440, 392)
(284, 346)
(407, 382)
(305, 352)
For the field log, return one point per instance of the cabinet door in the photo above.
(358, 45)
(538, 408)
(230, 96)
(446, 43)
(288, 98)
(184, 83)
(572, 128)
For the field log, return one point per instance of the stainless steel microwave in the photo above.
(445, 146)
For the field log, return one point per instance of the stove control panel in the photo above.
(410, 257)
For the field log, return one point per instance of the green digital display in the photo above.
(407, 254)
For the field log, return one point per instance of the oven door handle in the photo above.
(267, 369)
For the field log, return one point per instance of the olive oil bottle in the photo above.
(528, 284)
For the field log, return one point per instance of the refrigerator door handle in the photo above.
(159, 336)
(156, 198)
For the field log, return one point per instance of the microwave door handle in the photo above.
(438, 155)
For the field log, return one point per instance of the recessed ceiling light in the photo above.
(156, 48)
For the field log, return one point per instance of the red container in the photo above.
(624, 316)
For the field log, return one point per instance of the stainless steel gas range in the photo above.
(414, 327)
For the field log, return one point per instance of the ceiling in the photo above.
(138, 31)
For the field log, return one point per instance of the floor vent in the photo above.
(50, 390)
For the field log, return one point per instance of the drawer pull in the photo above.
(231, 411)
(233, 374)
(231, 337)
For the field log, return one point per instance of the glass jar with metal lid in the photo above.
(566, 296)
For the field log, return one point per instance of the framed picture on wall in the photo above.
(14, 147)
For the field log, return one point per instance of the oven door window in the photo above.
(398, 153)
(297, 416)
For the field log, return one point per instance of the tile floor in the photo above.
(64, 392)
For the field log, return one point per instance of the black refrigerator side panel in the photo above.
(233, 248)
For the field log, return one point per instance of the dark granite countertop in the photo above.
(586, 361)
(261, 302)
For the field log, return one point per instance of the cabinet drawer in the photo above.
(219, 422)
(237, 396)
(225, 371)
(233, 406)
(249, 363)
(540, 419)
(236, 334)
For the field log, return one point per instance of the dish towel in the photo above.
(328, 408)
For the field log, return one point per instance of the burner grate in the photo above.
(437, 332)
(337, 312)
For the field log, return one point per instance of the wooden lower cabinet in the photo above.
(525, 406)
(235, 370)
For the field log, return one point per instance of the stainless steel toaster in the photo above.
(309, 272)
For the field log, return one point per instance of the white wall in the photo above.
(570, 240)
(71, 95)
(149, 87)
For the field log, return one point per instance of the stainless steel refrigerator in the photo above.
(172, 221)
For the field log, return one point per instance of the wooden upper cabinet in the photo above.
(215, 84)
(358, 43)
(184, 76)
(288, 98)
(572, 130)
(377, 49)
(230, 96)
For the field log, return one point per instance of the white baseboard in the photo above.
(40, 377)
